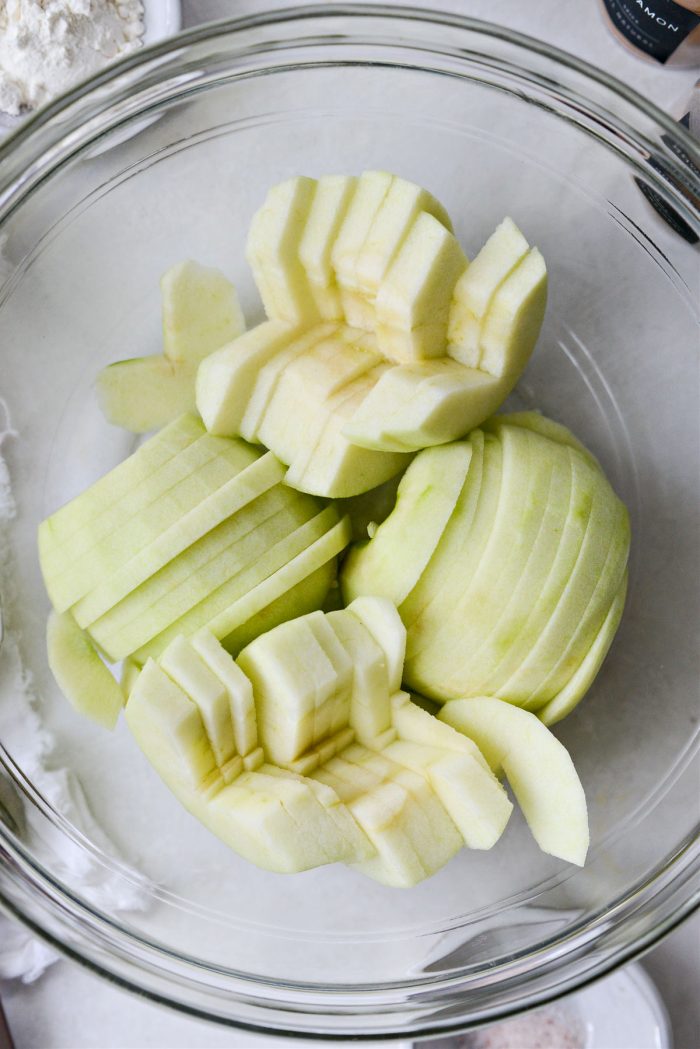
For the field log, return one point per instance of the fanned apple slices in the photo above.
(506, 555)
(304, 751)
(381, 338)
(190, 531)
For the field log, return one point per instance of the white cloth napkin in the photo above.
(23, 736)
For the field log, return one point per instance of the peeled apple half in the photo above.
(420, 352)
(506, 556)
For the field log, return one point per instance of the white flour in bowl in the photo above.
(46, 46)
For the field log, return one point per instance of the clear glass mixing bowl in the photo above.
(166, 157)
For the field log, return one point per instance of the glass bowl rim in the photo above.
(45, 130)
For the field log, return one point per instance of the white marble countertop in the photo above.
(69, 1008)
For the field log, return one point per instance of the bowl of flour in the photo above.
(48, 46)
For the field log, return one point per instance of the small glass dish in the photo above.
(90, 216)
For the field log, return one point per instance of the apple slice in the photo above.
(380, 618)
(370, 191)
(238, 690)
(168, 727)
(305, 386)
(456, 624)
(333, 466)
(270, 374)
(308, 595)
(515, 591)
(438, 572)
(106, 494)
(234, 495)
(338, 812)
(189, 672)
(180, 477)
(370, 712)
(201, 312)
(592, 585)
(561, 558)
(198, 572)
(85, 562)
(395, 217)
(332, 714)
(226, 378)
(538, 767)
(236, 602)
(582, 679)
(415, 725)
(145, 393)
(421, 671)
(476, 287)
(434, 835)
(292, 677)
(328, 210)
(512, 324)
(417, 405)
(413, 300)
(470, 793)
(243, 593)
(272, 251)
(80, 673)
(425, 500)
(591, 616)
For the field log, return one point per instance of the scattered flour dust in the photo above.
(46, 46)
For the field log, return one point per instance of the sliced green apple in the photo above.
(571, 523)
(239, 492)
(425, 500)
(598, 571)
(220, 556)
(187, 669)
(288, 562)
(417, 405)
(394, 219)
(106, 494)
(238, 689)
(471, 794)
(421, 671)
(513, 321)
(80, 673)
(271, 373)
(272, 251)
(413, 300)
(334, 467)
(292, 677)
(476, 287)
(449, 629)
(582, 678)
(538, 767)
(308, 595)
(370, 712)
(328, 210)
(515, 590)
(307, 383)
(590, 615)
(86, 562)
(379, 616)
(367, 510)
(226, 378)
(370, 191)
(201, 312)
